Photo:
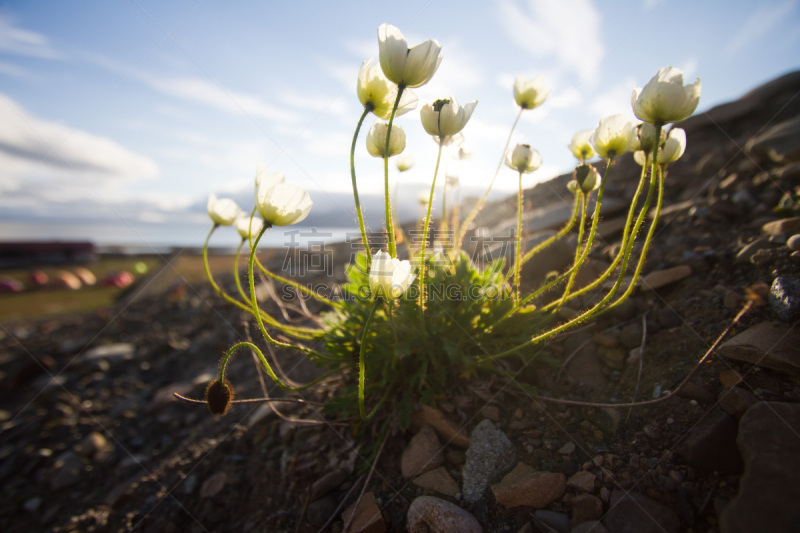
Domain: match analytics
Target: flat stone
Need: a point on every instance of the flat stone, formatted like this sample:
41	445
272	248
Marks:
750	249
583	481
661	278
428	514
769	489
711	444
213	485
122	350
447	430
783	225
768	344
585	507
526	486
780	143
439	480
633	512
736	401
424	452
489	456
368	517
592	526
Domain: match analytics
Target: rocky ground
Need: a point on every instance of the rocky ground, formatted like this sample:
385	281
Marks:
93	440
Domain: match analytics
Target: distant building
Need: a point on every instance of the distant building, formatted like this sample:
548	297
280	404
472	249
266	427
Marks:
23	254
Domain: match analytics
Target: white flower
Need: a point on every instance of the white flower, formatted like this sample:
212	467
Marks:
580	145
248	227
223	211
376	139
379	94
586	178
673	148
523	158
404	161
389	277
530	93
263	176
665	98
613	136
409	67
644	138
445	118
281	204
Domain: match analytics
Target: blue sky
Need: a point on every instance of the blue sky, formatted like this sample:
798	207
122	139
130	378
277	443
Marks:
117	119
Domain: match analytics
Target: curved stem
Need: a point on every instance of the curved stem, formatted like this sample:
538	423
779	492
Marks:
224	364
260	322
355	186
579	257
300	333
597	307
361	363
624	243
422	294
563	231
297	286
392	248
478	206
590	238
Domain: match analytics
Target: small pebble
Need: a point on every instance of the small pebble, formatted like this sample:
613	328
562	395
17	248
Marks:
567	449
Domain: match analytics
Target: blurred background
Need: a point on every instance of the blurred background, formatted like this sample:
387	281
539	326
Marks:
118	119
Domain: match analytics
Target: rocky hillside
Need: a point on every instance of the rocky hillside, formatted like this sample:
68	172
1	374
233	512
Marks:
92	438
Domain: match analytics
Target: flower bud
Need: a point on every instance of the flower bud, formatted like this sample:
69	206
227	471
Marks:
219	396
587	178
523	159
376	139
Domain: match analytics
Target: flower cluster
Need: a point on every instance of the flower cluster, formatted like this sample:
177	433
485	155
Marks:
418	341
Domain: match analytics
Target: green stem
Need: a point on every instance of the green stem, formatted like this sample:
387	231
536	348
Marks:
297	286
579	257
462	231
550	240
392	248
590	238
254	303
355	186
300	333
361	360
599	306
518	260
422	295
224	364
623	243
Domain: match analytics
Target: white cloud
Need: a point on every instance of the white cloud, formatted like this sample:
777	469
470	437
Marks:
758	24
18	41
33	146
216	96
617	99
567	31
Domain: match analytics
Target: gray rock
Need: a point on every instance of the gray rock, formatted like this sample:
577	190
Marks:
794	242
711	445
632	512
784	298
783	225
490	456
768	490
526	486
423	453
768	344
750	249
558	522
591	526
433	515
779	143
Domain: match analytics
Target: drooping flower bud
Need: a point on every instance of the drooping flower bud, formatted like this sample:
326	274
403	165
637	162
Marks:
219	395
